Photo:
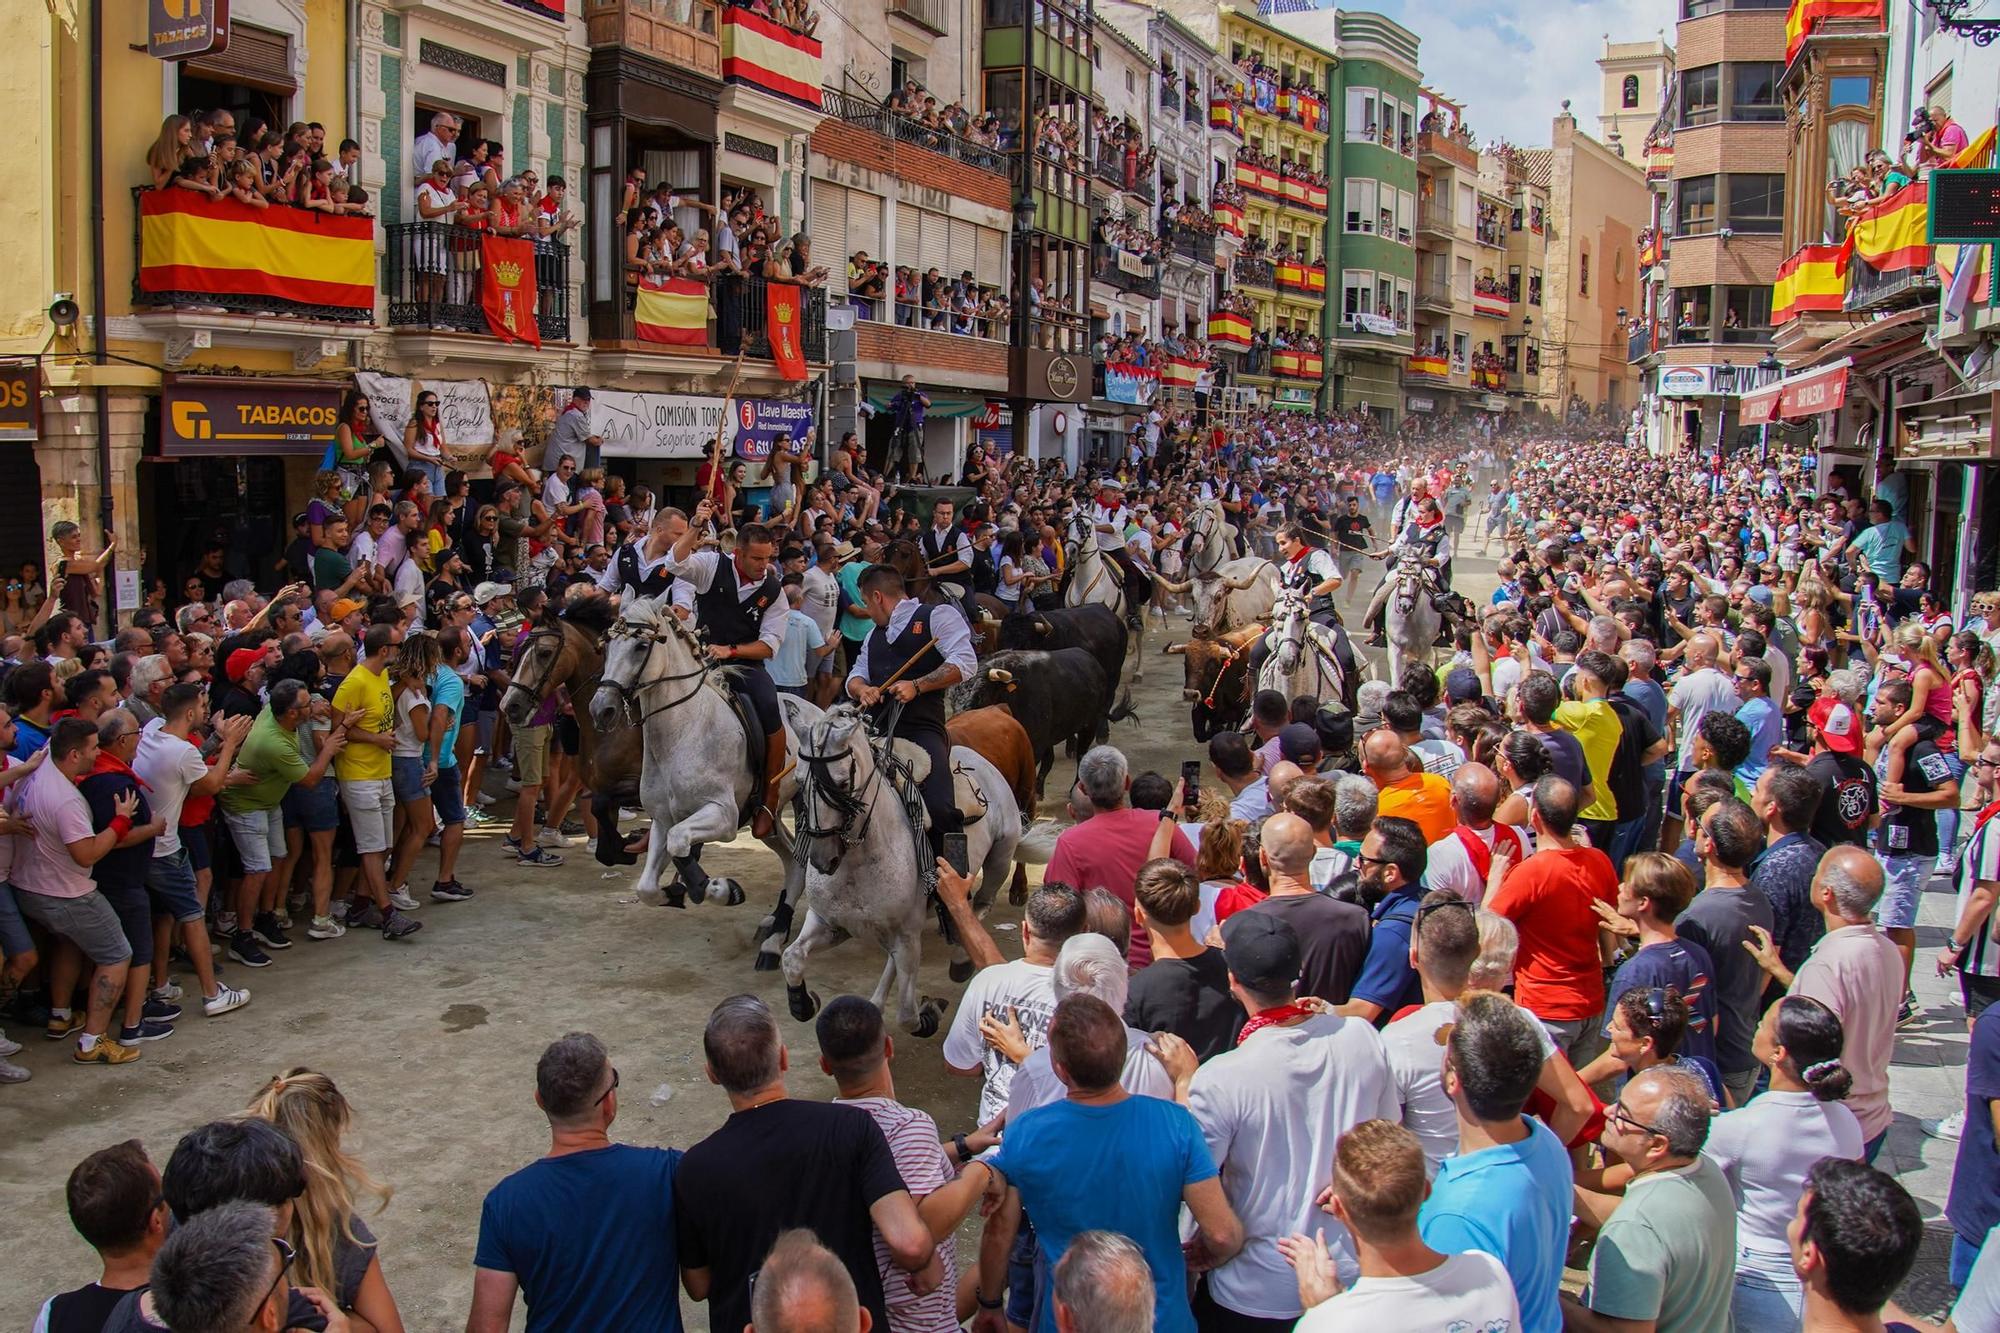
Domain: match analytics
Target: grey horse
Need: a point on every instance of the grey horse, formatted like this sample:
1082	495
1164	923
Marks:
1302	661
697	783
1410	618
861	855
1228	593
1095	580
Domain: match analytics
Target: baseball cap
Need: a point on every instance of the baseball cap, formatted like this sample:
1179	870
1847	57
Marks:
1299	743
581	392
1261	951
486	592
345	607
1760	594
239	663
1837	725
1461	685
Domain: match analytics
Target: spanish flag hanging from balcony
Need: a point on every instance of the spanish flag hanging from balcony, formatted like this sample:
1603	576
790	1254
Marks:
1180	372
1295	190
672	310
1230	218
1285	363
507	288
1806	15
1291	273
1316	277
1229	327
1426	364
191	243
766	54
1890	234
1222	115
1807	282
1246	175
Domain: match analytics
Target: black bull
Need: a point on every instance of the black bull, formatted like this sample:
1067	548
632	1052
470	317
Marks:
1061	696
1095	629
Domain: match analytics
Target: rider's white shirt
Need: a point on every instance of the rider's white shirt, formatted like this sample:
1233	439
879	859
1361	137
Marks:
1317	563
680	591
948	627
1117	516
700	571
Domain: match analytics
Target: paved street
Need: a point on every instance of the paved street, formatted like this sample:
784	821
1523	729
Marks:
433	1040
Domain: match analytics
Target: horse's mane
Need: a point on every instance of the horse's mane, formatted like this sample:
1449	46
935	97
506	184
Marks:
594	614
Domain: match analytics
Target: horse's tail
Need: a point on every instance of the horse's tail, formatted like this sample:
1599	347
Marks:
1038	844
1123	711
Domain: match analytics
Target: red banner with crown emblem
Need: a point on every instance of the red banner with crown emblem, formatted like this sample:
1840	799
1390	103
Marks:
783	307
507	288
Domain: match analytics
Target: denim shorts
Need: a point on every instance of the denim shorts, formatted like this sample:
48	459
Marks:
15	941
259	836
170	882
1904	878
135	917
406	776
448	796
89	922
314	809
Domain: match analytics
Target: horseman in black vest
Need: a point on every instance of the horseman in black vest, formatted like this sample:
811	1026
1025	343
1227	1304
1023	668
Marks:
739	606
1306	568
925	650
642	565
947	552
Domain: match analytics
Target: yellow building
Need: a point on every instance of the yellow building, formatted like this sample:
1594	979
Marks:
1285	114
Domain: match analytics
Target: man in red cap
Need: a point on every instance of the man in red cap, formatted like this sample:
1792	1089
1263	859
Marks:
244	671
1846	782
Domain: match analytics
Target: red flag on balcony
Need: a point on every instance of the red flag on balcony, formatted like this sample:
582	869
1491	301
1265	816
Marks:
784	311
507	288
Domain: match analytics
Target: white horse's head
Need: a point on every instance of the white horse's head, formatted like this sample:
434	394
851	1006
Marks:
1288	630
648	631
838	767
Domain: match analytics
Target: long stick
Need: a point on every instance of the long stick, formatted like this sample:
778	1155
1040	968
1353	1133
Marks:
897	675
715	449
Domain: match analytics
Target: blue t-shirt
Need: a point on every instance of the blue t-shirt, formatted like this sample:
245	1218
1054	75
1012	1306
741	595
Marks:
1882	547
1653	700
590	1238
1512	1201
28	738
788	664
1973	1206
1685	966
1384	485
853	627
448	691
1119	1168
1767	728
1386	976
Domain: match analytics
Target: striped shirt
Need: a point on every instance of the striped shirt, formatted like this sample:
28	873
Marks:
920	1160
1980	864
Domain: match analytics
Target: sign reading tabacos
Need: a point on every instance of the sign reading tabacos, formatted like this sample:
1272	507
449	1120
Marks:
223	415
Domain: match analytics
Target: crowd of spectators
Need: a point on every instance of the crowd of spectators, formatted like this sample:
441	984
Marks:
795	15
258	167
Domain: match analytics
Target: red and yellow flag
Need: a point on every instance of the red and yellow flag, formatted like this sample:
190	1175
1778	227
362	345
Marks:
1291	273
765	54
1180	371
1890	233
507	288
1427	365
1806	15
784	309
1808	281
672	310
191	243
1229	326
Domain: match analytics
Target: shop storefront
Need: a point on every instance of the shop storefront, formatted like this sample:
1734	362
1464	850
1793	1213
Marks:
20	479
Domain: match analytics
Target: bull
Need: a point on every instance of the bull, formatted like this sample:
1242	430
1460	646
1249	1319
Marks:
1057	696
1237	593
1095	629
1215	680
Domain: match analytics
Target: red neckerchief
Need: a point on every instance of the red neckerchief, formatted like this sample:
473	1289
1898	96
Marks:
111	763
1284	1013
1300	558
1425	520
1980	822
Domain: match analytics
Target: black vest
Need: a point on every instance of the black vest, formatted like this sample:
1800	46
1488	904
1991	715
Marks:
659	581
86	1308
725	618
939	552
985	577
885	659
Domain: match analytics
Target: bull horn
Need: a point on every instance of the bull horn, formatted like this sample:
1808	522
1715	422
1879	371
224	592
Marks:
1240	585
999	675
1175	588
1174	649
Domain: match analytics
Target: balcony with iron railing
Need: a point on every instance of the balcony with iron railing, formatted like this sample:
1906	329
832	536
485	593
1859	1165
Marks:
1432	221
1434	295
737	324
1254	271
1489	232
1639	343
1170	96
1124	271
432	279
1441	145
1871	289
199	255
1196	245
871	115
934	15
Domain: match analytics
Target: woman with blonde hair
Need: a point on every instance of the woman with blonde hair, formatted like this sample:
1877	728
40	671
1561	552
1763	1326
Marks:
1218	867
336	1250
174	146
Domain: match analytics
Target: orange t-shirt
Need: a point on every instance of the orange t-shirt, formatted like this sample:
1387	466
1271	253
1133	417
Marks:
1423	797
1558	973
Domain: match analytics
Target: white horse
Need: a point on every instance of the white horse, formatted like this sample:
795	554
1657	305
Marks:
1228	592
862	857
696	784
1302	660
1096	580
1410	619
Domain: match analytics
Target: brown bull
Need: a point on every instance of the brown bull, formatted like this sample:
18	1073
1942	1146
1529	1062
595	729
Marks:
999	738
1215	678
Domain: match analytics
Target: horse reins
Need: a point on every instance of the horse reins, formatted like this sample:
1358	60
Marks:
627	694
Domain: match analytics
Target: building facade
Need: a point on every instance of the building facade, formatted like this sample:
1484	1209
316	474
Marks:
1456	233
1598	205
1633	82
1372	256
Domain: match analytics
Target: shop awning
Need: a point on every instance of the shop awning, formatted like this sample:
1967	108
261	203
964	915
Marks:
1807	394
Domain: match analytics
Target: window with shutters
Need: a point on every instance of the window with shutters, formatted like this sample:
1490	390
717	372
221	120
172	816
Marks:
864	224
827	206
909	236
935	250
990	265
964	245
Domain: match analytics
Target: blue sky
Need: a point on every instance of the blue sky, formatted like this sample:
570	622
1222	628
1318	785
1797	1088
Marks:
1512	62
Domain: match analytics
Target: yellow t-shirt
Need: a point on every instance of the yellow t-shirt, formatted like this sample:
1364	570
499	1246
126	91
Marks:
1596	727
368	691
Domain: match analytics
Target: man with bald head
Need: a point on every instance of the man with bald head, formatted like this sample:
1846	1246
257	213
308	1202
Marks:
1407	790
804	1288
1461	860
1856	971
1701	690
1333	935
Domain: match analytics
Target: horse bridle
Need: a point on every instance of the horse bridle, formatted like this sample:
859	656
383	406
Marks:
848	804
1207	523
537	688
629	696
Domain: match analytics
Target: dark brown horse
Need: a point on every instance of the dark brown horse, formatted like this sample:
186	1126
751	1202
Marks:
566	652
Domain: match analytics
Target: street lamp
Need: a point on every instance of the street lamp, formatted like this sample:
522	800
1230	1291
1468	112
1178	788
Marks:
1024	223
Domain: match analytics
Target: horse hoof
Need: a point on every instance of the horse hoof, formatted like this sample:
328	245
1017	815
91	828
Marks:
803	1003
767	961
1017	891
652	895
675	895
961	971
927	1024
726	892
